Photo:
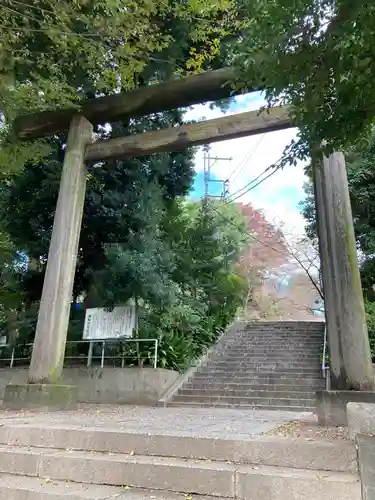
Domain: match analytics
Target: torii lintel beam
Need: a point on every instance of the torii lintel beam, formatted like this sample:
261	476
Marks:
173	94
195	134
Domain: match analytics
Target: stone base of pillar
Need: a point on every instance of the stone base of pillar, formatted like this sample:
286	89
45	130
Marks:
40	397
366	462
361	419
331	405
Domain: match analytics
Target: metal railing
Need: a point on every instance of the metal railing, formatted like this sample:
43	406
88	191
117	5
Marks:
92	352
325	367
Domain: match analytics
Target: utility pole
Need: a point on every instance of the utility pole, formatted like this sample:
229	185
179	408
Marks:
206	169
208	162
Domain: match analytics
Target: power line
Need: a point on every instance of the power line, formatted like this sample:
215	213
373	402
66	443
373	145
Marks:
148	58
240	163
246	159
253	186
244	231
248	184
32	7
23	14
56	31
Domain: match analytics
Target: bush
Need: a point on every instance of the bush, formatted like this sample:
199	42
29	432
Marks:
370	314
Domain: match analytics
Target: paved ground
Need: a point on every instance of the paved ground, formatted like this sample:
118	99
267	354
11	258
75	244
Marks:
205	422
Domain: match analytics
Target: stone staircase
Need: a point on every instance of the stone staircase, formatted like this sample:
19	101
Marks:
260	365
59	461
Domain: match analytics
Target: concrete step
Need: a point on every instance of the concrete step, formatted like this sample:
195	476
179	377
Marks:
271	355
272	352
219	479
220	393
281	327
290	336
231	372
282	345
284	331
299	409
247	338
213	386
277	342
247	360
286	322
28	488
14	487
294	332
264	351
256	379
258	450
246	365
265	359
251	357
283	324
247	400
281	333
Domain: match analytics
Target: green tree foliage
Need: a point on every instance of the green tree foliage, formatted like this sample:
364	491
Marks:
318	56
57	52
140	239
132	243
123	201
176	257
54	54
206	242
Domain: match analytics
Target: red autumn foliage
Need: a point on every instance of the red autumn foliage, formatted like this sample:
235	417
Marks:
267	248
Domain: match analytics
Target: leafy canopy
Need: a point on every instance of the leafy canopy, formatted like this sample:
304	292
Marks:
56	53
318	56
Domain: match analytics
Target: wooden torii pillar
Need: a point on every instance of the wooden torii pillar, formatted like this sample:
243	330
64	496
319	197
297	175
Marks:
350	356
50	338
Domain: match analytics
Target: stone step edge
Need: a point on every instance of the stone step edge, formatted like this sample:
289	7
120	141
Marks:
218	479
302	402
308	394
14	487
233	386
297	453
299	409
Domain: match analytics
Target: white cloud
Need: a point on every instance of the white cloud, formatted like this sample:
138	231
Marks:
279	195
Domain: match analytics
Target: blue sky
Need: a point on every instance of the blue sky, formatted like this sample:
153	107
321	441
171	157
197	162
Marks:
215	188
280	195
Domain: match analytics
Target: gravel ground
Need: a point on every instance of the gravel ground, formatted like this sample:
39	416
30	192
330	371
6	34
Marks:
200	422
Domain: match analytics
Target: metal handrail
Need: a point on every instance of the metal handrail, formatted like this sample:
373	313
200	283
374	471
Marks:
90	355
325	367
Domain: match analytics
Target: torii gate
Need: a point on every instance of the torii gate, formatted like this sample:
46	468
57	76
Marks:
350	358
